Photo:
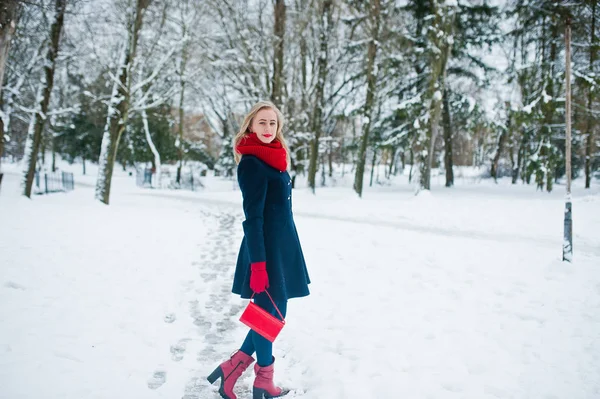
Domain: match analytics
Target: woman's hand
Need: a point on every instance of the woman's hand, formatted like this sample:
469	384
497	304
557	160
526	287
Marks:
259	279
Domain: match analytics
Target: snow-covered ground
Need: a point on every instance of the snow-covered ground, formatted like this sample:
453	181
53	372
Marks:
457	293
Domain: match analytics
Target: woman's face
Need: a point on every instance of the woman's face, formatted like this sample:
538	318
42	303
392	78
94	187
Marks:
264	125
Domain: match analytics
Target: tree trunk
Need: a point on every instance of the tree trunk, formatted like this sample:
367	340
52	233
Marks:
53	154
377	179
38	119
326	23
568	220
523	159
568	106
180	132
432	134
438	61
279	30
343	154
1	132
544	174
83	161
496	160
515	165
42	151
402	161
323	181
373	166
183	65
118	108
522	150
500	149
374	11
448	164
391	169
354	141
412	163
330	157
157	164
589	147
300	166
8	23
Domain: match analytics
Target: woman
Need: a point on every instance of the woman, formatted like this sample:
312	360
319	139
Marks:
270	256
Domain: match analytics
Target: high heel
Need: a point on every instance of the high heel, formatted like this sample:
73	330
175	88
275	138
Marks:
229	372
218	373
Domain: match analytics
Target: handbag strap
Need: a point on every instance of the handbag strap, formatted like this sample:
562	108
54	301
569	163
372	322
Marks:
273	302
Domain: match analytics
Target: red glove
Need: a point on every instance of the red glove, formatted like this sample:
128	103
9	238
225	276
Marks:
259	279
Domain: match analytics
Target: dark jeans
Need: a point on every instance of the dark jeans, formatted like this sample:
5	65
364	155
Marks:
255	342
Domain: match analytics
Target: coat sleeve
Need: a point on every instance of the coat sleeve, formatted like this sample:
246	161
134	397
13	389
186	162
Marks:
253	184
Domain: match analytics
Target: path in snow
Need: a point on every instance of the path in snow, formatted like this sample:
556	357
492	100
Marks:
504	237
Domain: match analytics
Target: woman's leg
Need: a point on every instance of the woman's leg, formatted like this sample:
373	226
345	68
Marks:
248	345
255	342
263	386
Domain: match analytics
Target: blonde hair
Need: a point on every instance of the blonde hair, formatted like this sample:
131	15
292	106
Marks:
245	129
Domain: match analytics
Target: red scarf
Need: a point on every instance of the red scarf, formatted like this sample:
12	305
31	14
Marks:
273	154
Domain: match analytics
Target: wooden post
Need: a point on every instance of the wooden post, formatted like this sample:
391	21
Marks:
568	225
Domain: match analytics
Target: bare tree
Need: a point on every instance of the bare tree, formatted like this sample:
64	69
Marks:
438	37
39	117
8	24
501	144
589	147
375	21
568	221
279	30
447	120
119	105
325	32
147	95
183	63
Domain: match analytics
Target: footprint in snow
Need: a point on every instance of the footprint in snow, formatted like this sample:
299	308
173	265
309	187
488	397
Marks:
203	323
170	318
16	286
208	276
178	349
157	380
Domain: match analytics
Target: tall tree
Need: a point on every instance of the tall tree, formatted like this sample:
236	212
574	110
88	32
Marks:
440	40
8	23
568	222
545	172
538	32
324	33
448	164
279	47
119	105
38	119
504	132
374	17
184	10
589	147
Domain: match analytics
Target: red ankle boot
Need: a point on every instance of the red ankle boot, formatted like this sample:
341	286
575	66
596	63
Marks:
263	383
229	371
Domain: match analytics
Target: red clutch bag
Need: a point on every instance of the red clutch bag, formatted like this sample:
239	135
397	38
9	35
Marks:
261	321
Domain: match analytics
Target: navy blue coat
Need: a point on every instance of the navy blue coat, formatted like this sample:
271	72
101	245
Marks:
269	232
